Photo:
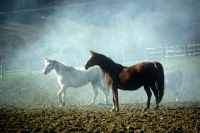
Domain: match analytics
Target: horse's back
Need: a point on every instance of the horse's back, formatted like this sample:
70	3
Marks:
95	73
145	70
135	76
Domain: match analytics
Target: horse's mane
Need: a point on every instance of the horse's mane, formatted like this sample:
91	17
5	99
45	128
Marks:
63	65
103	56
118	67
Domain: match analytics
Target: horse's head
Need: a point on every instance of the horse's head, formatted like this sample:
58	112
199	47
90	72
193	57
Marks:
92	60
48	66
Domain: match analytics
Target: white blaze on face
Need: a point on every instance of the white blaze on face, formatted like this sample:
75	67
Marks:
48	66
89	58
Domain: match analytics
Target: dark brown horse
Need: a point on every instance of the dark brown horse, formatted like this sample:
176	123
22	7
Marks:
147	74
173	81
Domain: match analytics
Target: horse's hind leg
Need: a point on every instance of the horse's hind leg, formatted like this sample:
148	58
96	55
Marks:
178	87
105	91
63	96
59	96
62	92
176	95
94	85
148	91
155	92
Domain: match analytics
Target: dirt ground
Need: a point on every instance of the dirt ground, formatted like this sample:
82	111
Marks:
30	104
171	117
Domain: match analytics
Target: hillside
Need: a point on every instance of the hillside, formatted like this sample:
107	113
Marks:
80	26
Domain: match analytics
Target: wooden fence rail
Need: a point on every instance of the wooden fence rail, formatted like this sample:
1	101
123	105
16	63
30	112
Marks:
20	66
28	66
166	52
1	69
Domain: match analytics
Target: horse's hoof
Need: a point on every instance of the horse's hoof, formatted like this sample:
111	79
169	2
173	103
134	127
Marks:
62	104
145	109
156	107
91	104
112	110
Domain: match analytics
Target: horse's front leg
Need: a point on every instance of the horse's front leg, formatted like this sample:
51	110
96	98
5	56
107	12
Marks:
115	100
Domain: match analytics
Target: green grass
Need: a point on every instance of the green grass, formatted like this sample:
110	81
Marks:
12	74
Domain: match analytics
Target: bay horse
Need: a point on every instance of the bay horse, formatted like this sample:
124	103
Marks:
173	81
69	76
147	74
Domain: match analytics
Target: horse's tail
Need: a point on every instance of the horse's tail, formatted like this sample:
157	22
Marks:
160	81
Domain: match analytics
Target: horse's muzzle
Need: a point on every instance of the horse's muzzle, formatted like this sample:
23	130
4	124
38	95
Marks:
86	67
45	72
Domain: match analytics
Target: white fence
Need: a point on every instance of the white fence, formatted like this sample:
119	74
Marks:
166	52
18	67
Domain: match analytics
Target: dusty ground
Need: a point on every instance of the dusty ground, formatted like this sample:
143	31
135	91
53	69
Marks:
29	104
171	117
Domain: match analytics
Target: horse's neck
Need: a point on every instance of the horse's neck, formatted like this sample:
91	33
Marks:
113	68
61	69
58	67
116	68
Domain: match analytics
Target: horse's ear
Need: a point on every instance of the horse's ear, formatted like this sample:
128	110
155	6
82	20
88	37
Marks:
47	59
91	52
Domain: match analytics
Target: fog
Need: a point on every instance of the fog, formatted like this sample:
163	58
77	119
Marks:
114	28
110	27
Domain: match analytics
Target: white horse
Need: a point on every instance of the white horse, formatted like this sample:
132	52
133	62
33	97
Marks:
69	76
173	81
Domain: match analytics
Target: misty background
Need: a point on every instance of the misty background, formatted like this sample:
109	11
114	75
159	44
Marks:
70	28
66	30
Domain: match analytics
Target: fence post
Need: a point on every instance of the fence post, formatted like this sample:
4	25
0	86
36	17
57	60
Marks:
185	48
145	53
29	66
123	56
163	52
1	70
76	62
194	48
166	48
